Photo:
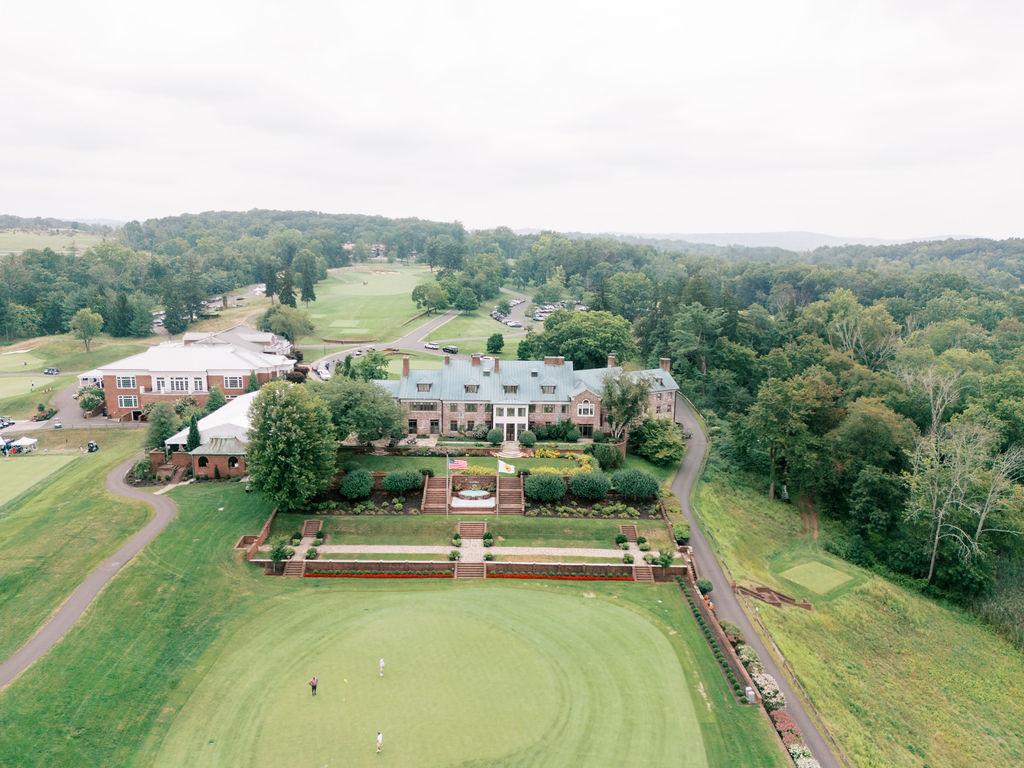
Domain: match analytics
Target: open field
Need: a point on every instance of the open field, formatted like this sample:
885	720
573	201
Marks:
68	353
900	679
52	536
191	658
347	308
20	472
468	324
20	240
508	352
437	530
417	360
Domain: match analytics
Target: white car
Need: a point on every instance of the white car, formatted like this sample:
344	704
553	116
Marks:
513	324
430	345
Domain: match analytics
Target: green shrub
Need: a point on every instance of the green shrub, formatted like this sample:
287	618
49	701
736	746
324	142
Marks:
426	471
572	436
705	586
544	487
659	440
681	532
641	539
643	545
488	535
454	554
356	484
527	439
480	430
495	436
627	558
590	485
402	480
279	551
488	555
351	466
599	436
635	484
620	538
524	472
143	469
311	553
608	456
624	545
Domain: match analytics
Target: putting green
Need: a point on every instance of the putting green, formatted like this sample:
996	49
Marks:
476	675
19	473
17	362
816	576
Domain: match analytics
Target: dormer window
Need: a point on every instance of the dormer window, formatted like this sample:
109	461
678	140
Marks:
511	389
472	388
533	372
423	387
548	389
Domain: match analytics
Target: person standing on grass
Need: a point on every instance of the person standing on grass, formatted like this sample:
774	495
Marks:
312	684
380	740
382	667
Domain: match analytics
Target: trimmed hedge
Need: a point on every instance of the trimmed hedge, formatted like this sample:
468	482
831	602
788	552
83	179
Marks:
527	439
590	485
544	487
635	484
495	436
403	480
356	484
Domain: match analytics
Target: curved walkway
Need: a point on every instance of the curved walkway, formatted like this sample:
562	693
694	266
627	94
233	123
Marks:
73	608
727	606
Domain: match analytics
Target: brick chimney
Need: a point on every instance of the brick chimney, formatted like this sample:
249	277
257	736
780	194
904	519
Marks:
554	360
405	366
476	359
496	361
447	360
665	363
611	360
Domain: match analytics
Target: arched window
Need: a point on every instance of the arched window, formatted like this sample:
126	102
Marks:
203	461
232	462
585	408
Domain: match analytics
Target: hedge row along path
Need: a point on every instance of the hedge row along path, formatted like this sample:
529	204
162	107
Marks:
727	606
73	608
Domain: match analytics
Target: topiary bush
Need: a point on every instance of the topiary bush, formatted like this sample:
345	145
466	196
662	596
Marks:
620	538
590	485
705	586
403	480
527	439
544	487
495	436
635	484
608	456
356	484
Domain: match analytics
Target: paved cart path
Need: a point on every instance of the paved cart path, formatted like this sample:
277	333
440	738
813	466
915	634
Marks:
80	600
727	606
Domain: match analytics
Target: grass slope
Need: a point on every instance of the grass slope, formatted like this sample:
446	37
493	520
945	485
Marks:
189	646
21	472
901	680
54	535
469	325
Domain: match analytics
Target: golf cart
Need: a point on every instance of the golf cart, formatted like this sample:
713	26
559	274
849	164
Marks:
93	446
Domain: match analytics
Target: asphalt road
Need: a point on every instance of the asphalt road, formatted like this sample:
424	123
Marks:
727	606
89	590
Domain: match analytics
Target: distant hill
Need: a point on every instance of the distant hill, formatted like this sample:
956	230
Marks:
790	241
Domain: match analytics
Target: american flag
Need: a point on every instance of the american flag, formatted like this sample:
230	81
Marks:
457	464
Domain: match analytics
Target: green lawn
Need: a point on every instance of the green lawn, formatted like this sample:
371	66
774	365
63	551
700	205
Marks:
508	352
18	240
68	353
438	463
407	556
22	361
436	530
470	324
20	400
902	680
553	558
51	537
369	302
21	472
662	473
192	658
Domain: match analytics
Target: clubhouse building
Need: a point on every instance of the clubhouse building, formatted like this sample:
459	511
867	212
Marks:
516	395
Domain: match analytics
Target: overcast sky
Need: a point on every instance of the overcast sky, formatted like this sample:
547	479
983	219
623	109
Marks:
883	119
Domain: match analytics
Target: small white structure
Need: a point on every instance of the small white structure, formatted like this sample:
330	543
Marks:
25	444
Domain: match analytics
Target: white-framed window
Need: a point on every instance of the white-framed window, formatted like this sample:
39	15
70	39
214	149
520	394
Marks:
232	382
499	411
472	387
197	385
127	401
522	412
470	407
659	395
585	408
161	383
549	409
511	389
179	384
126	382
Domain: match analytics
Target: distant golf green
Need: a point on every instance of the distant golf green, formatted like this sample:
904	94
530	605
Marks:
20	473
474	674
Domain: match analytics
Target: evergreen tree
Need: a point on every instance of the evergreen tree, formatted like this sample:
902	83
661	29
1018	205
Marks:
253	384
215	399
193	435
286	293
163	422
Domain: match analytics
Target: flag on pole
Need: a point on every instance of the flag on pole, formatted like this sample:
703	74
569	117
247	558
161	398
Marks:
504	468
457	464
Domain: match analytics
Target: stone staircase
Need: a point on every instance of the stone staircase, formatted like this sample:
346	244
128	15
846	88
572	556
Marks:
629	531
472	530
295	568
311	527
643	572
510	496
470	570
435	496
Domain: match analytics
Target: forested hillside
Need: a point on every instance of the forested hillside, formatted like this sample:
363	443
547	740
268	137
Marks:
884	384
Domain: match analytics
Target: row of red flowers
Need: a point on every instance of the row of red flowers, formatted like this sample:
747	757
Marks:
562	578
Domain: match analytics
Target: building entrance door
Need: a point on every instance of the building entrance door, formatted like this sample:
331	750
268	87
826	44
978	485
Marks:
510	431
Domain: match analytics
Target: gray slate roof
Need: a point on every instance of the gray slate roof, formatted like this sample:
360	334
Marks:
449	383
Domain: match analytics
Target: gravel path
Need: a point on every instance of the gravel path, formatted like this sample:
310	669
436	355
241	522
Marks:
73	608
727	606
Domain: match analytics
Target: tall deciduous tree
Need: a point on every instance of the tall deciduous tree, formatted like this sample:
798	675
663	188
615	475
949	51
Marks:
624	398
291	449
287	321
361	407
163	422
86	324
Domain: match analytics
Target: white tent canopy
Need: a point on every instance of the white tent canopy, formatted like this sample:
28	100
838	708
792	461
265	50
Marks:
25	442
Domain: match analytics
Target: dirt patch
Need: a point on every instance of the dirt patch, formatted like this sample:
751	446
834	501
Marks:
809	515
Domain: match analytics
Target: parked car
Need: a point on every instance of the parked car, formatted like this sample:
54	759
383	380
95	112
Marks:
57	424
513	324
430	345
451	350
5	421
52	371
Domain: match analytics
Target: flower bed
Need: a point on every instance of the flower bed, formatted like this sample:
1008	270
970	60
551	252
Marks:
366	575
556	577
